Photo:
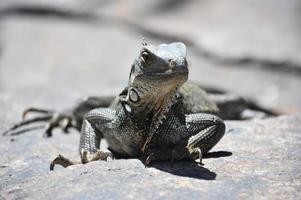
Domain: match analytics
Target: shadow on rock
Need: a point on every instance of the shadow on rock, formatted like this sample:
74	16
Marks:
186	169
189	168
218	154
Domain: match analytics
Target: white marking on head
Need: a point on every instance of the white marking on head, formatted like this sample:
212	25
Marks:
128	108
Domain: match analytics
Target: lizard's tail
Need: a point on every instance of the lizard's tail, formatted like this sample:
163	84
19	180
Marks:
254	106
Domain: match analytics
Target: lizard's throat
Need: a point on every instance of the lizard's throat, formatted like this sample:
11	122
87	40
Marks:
151	109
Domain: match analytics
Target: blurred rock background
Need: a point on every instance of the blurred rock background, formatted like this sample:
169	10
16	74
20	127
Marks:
53	52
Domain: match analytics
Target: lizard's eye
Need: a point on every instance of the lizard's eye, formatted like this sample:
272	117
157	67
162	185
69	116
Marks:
144	56
172	64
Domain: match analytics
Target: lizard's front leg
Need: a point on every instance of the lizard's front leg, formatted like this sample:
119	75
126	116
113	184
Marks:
172	153
206	130
91	135
199	133
94	122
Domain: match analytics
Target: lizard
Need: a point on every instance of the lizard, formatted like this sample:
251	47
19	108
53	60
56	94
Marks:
159	115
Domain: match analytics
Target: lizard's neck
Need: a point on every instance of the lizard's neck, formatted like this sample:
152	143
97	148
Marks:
151	111
161	109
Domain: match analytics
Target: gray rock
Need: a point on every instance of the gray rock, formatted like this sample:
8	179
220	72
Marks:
257	159
50	62
269	88
265	32
72	6
63	60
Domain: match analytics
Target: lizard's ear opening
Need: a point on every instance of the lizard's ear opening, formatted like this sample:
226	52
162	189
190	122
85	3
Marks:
133	95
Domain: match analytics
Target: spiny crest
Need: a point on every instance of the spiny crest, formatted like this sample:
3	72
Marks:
164	110
143	42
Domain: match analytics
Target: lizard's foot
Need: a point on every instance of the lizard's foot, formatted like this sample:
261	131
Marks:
64	120
164	153
149	153
195	154
87	156
61	160
151	157
200	154
172	154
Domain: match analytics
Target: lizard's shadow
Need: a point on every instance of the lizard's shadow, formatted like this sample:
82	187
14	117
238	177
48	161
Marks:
218	154
191	169
185	168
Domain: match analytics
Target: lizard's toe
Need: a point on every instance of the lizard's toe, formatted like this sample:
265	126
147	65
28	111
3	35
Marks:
148	160
87	156
61	160
48	118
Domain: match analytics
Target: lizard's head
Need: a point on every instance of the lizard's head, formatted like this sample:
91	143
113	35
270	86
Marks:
165	62
156	74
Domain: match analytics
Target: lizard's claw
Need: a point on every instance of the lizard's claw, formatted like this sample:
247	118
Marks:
61	160
86	157
148	160
99	155
35	110
200	155
51	120
61	120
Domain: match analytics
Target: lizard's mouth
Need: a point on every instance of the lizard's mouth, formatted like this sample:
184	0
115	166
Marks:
167	74
170	71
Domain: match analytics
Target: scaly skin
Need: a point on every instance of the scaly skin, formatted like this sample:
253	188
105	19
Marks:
158	116
148	120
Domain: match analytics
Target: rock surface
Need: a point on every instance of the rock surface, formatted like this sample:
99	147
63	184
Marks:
265	31
54	52
257	159
96	47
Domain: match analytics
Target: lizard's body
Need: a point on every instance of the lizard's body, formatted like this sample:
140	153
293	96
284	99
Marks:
158	116
128	145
